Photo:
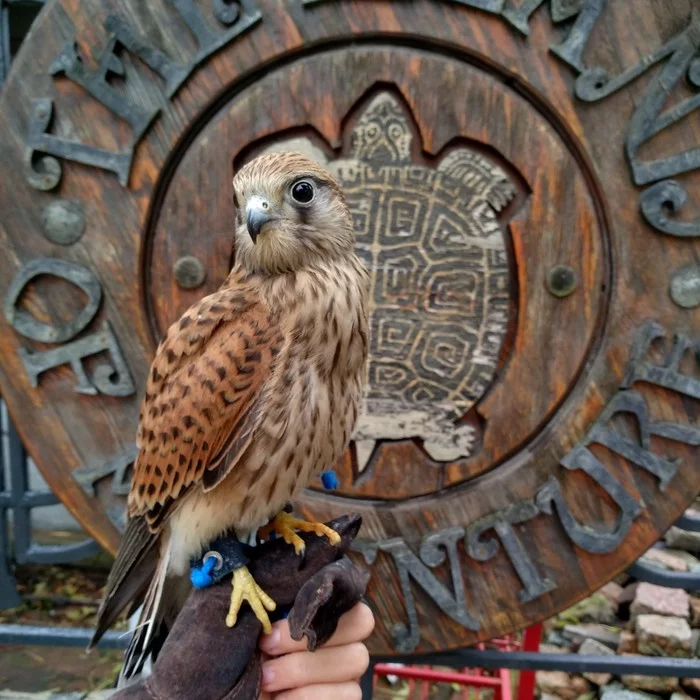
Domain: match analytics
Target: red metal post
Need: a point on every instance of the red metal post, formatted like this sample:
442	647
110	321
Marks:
531	642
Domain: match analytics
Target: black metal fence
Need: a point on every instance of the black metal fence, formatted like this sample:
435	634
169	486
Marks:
18	500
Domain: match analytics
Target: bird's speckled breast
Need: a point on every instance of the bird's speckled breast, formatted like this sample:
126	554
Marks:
310	407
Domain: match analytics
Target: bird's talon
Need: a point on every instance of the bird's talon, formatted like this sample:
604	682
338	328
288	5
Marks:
245	588
285	524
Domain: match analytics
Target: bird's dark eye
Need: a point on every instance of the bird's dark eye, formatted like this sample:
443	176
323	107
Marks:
303	191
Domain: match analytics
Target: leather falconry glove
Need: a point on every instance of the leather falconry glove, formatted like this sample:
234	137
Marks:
203	659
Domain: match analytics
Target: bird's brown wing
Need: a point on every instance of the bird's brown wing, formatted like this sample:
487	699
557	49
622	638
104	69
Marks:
203	397
201	406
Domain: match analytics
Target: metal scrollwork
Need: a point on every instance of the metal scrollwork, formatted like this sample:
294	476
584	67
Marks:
662	199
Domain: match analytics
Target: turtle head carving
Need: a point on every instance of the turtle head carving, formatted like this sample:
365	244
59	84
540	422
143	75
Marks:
382	134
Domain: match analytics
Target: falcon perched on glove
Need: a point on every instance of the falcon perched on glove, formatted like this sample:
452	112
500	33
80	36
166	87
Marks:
252	392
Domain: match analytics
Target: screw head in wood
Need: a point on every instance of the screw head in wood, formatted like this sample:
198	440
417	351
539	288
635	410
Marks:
189	272
684	287
63	221
561	281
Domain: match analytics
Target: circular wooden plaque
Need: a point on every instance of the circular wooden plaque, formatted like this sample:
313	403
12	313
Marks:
519	176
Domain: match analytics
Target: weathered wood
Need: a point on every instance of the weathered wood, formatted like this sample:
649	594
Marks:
523	216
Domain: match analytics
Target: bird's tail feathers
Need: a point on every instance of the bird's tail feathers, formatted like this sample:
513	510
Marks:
147	629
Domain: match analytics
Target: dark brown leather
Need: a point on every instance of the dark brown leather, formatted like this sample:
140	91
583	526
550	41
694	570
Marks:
202	659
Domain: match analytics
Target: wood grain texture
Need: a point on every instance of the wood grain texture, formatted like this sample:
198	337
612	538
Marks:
466	78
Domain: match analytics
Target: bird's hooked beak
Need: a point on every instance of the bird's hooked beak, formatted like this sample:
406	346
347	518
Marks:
258	213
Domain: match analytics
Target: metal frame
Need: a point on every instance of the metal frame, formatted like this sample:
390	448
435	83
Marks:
20	499
573	663
5	52
60	636
4	41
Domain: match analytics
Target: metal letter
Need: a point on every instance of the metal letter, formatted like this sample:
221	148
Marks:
667	374
595	83
630	402
571	49
648	119
70	63
173	73
88	477
207	40
588	537
24	323
44	172
502	522
406	637
664	198
112	380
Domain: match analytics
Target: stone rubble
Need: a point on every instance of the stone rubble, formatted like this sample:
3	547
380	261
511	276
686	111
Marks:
658	635
658	600
556	683
627	643
691	684
592	648
597	608
613	592
694	611
656	684
577	634
682	539
665	559
627	617
616	691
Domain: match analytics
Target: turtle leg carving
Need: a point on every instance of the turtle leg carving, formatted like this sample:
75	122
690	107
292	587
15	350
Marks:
455	444
364	450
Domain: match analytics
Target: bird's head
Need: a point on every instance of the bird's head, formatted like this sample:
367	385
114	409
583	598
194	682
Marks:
290	213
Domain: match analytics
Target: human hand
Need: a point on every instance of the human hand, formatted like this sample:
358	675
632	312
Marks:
333	671
203	658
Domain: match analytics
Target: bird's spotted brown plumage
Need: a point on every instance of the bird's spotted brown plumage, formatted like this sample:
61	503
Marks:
253	391
203	394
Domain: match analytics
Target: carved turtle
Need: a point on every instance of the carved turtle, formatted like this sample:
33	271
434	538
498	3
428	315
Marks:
440	279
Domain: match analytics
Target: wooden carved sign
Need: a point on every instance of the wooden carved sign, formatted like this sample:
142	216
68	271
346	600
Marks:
520	175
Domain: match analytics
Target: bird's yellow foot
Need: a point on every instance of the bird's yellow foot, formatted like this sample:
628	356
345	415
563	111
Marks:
284	525
245	588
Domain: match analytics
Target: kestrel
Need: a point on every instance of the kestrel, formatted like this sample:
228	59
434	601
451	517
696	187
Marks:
252	392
